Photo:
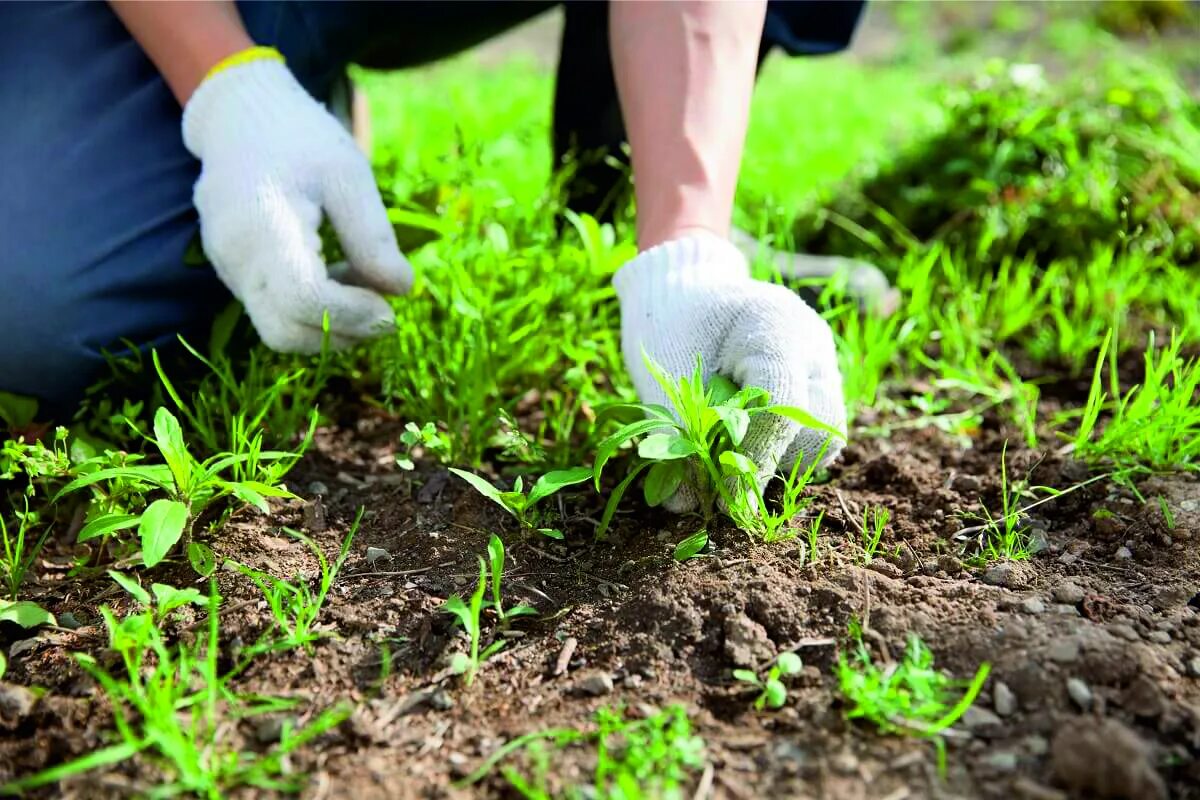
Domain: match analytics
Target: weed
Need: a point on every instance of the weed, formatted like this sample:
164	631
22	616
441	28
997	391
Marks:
909	697
524	506
496	565
191	486
295	607
164	600
698	443
469	616
691	546
646	758
772	691
875	520
19	552
426	439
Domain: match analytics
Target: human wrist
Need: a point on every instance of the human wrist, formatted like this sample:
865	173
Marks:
254	93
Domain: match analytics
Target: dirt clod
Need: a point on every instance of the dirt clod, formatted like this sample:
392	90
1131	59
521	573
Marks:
1106	759
746	642
1068	592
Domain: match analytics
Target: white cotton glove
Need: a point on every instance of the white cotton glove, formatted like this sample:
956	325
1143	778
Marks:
694	295
272	159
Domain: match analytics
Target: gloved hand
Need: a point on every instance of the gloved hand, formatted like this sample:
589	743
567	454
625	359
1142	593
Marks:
272	159
694	295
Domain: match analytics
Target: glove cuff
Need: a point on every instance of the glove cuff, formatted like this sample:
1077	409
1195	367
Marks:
239	96
690	261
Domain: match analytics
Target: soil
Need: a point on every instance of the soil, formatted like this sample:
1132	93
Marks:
1110	601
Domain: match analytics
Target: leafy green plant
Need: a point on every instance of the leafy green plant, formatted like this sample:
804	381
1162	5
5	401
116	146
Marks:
191	486
640	758
164	600
296	607
171	705
698	442
772	691
19	552
496	565
523	506
691	546
426	438
909	697
469	616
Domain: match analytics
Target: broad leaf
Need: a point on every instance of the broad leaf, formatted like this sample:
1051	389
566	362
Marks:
665	447
3	664
169	438
249	496
733	463
720	389
157	474
460	663
611	444
458	607
25	614
662	480
551	533
168	598
736	420
106	524
776	693
132	587
746	676
691	546
804	418
789	663
201	557
551	482
521	611
161	526
483	487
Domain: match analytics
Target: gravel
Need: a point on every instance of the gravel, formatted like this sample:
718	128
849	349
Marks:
1033	605
1080	694
1004	701
596	684
1067	592
1064	651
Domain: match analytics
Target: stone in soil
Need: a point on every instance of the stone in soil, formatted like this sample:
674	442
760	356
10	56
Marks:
1010	574
1080	694
1004	701
1064	651
746	642
1067	592
15	701
595	684
1104	759
1033	605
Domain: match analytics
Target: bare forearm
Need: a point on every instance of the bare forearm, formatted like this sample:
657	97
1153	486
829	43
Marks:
184	40
685	73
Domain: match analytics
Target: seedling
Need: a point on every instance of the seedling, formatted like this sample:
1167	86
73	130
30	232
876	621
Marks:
772	691
524	506
909	697
426	438
496	565
645	758
19	551
874	523
165	599
691	546
295	608
468	615
191	486
698	442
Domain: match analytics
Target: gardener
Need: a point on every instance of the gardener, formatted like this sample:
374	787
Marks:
99	166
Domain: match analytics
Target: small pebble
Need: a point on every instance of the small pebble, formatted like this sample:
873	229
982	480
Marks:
1159	637
1123	631
1067	592
844	762
1067	559
596	684
15	701
1002	761
1066	609
69	621
978	718
441	701
376	553
1004	700
1037	745
1064	651
1033	605
1080	694
1193	667
1123	553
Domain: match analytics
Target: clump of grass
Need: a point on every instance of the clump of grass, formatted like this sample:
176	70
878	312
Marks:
642	758
523	505
908	697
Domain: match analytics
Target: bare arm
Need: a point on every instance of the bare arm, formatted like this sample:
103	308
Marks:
184	40
685	73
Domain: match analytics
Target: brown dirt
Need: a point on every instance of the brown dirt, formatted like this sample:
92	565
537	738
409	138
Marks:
1129	628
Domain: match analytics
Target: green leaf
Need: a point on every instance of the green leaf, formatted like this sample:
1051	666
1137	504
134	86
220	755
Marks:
776	693
720	389
690	546
483	487
607	448
789	663
662	480
157	474
249	496
736	420
551	533
105	524
734	463
132	587
804	418
168	598
160	528
201	557
614	499
457	606
169	438
665	447
25	614
521	610
17	410
557	479
746	676
3	664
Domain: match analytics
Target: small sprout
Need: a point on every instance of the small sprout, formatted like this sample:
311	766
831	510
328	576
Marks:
772	691
691	546
523	506
875	520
